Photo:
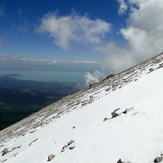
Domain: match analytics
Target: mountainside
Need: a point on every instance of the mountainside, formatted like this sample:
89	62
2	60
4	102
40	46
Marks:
10	83
116	120
20	98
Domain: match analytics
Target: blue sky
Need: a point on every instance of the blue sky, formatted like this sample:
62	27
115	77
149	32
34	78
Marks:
19	21
118	33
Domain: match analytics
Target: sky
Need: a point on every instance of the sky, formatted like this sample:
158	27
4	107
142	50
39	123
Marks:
116	33
42	29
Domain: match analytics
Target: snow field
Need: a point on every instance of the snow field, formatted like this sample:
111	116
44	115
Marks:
135	137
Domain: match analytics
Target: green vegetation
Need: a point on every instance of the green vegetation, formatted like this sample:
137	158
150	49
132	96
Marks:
15	105
19	99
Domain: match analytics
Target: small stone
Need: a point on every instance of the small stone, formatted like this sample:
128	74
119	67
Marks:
65	146
126	111
119	161
72	147
151	69
70	142
5	151
4	160
105	119
13	149
33	142
15	154
114	114
50	157
158	159
62	150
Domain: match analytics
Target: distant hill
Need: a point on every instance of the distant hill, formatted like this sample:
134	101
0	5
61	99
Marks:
8	82
20	98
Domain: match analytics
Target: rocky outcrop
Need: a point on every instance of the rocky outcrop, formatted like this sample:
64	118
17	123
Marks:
70	142
127	110
71	147
68	145
158	159
5	151
32	142
114	114
50	157
105	119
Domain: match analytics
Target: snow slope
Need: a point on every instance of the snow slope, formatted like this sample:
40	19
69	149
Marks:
135	137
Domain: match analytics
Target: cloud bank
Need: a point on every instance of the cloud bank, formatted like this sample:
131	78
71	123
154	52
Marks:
143	35
73	28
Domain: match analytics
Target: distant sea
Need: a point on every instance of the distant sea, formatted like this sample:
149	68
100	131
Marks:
47	76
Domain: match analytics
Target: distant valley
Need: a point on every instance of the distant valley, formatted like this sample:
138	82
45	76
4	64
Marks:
20	98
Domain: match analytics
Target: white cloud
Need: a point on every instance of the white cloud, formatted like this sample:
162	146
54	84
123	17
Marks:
115	59
147	16
143	35
93	78
123	7
145	30
73	28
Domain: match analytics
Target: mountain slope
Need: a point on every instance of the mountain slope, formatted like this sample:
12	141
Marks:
20	98
11	83
85	117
